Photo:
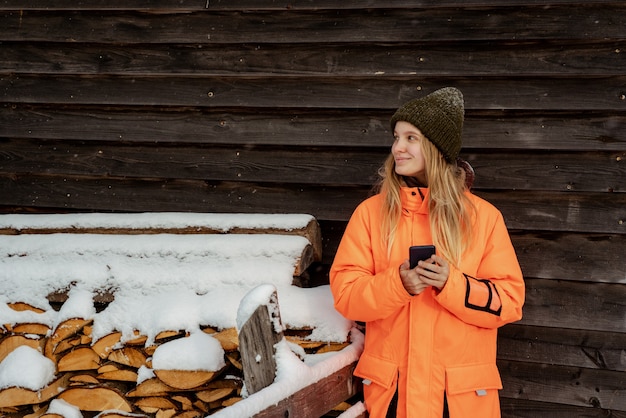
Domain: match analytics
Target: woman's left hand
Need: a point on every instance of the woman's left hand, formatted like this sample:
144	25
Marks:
434	271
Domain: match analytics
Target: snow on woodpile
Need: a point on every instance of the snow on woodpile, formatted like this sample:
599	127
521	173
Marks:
156	220
163	282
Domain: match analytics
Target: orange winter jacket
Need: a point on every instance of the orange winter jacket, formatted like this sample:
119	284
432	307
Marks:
437	341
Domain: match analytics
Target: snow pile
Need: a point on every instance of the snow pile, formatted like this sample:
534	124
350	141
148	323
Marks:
27	368
199	351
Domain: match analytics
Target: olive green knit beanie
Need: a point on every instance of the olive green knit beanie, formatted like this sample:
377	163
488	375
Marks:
439	116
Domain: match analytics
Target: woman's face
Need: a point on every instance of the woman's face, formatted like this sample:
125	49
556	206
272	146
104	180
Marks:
407	151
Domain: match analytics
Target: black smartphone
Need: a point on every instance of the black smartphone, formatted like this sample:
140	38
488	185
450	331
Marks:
420	252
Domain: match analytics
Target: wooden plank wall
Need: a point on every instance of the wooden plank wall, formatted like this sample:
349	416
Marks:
272	106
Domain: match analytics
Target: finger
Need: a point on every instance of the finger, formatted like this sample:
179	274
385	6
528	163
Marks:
440	260
426	269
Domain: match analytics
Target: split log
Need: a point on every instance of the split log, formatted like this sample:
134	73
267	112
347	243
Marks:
137	340
84	379
153	404
64	330
128	356
228	338
31	328
150	387
234	358
99	398
185	379
168	335
10	343
22	306
15	396
119	375
83	358
106	344
331	347
213	395
66	345
185	403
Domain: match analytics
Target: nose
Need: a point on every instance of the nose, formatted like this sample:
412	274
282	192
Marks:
398	145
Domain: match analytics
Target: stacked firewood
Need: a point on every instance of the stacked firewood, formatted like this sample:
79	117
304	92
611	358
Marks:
103	375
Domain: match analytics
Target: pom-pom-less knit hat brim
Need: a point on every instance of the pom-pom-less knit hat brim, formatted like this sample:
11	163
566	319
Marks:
439	116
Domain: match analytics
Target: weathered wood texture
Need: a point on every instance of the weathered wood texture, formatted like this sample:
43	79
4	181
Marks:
257	339
268	106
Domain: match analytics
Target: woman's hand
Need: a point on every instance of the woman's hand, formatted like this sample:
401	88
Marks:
410	279
432	272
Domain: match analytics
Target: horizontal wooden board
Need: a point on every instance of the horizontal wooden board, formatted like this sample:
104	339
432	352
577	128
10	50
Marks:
301	165
312	127
600	93
146	195
519	170
523	210
575	305
576	257
564	385
585	21
550	170
537	58
569	256
563	347
550	211
522	408
186	5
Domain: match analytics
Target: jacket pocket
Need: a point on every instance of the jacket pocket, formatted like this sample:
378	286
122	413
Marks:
472	378
376	370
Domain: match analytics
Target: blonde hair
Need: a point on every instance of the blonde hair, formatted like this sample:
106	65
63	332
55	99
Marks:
450	210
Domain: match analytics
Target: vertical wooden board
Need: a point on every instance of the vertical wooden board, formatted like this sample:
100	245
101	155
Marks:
257	338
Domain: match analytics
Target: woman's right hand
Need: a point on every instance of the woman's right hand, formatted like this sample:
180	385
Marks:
411	280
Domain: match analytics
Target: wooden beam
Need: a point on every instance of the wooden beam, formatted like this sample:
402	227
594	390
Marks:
504	93
315	400
360	24
76	125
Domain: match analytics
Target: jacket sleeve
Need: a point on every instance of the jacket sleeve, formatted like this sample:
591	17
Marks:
359	293
495	296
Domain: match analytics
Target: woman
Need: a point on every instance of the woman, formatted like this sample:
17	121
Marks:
430	345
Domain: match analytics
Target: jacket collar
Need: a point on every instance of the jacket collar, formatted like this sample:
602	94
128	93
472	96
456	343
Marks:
414	199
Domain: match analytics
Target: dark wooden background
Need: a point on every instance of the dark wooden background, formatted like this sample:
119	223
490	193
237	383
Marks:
283	106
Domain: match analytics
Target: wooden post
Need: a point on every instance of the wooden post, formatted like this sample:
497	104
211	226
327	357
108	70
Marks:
257	338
